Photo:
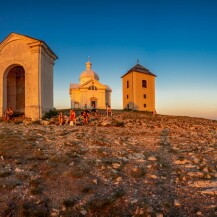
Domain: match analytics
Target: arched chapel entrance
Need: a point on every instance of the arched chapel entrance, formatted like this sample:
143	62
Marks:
26	76
15	88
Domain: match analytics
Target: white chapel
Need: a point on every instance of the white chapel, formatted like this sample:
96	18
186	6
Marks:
90	92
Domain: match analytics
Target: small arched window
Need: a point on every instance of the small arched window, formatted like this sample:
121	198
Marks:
92	88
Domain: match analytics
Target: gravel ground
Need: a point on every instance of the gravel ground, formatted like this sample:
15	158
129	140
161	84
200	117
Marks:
131	164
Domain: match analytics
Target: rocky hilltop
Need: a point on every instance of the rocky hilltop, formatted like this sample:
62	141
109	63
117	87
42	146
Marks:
131	164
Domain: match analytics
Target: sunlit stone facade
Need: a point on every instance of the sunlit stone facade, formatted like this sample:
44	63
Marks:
138	86
26	76
89	92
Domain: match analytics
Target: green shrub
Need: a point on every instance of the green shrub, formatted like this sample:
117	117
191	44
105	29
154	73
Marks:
50	114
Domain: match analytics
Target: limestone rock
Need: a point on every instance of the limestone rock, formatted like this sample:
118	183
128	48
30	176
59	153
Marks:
210	191
119	179
152	158
203	184
181	162
177	203
134	201
153	176
195	174
18	170
45	122
83	212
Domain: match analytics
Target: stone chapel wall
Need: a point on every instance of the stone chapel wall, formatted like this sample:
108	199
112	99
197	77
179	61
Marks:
37	61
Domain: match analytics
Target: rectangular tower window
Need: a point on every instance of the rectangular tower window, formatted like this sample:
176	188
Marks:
144	105
144	83
127	84
144	96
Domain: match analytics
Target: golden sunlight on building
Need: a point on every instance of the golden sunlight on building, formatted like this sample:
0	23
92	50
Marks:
90	92
26	76
138	86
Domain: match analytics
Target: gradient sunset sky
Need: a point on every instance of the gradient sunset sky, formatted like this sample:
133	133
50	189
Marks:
176	40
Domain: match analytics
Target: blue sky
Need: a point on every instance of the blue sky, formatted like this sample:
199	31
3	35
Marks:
176	40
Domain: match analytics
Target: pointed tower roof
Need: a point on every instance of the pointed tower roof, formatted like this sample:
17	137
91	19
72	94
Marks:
141	69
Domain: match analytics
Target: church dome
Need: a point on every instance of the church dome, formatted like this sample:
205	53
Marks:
88	73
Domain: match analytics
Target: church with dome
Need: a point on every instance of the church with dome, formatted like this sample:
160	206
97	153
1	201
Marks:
90	92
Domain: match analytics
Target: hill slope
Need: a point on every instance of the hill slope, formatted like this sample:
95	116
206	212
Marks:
133	164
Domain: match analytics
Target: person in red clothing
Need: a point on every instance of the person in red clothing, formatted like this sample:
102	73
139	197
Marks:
72	117
85	116
5	115
8	115
61	119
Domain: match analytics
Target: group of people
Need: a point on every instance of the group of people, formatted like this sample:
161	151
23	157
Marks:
71	120
62	119
8	115
85	115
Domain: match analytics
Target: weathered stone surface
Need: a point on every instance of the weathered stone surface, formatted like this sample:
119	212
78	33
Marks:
45	122
177	203
181	162
83	212
203	183
210	191
195	174
152	158
153	176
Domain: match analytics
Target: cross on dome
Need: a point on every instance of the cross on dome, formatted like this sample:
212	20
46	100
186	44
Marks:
88	73
137	60
88	64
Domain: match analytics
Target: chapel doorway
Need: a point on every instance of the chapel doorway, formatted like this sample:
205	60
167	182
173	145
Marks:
16	89
93	102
